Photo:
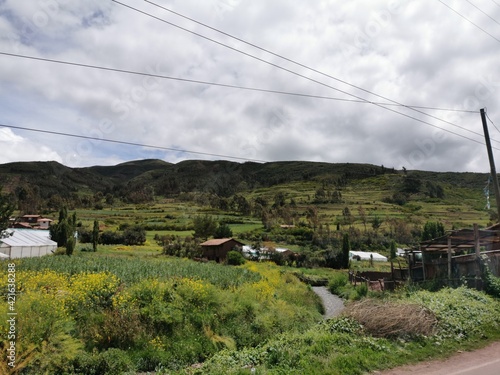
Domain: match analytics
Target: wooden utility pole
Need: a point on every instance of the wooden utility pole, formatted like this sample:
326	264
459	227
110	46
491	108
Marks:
492	161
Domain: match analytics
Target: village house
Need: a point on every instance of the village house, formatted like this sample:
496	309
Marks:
31	222
217	249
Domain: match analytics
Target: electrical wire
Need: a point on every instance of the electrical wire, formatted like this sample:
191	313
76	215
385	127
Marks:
486	14
395	103
201	82
247	88
288	70
494	2
492	123
468	20
130	143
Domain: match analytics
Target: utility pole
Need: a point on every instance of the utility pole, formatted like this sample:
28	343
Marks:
492	161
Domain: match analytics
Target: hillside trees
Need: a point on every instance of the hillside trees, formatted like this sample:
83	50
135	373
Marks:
432	229
28	198
6	209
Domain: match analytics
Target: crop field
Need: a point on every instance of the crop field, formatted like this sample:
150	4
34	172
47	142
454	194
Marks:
118	313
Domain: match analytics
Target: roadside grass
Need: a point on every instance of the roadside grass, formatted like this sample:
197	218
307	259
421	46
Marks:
341	346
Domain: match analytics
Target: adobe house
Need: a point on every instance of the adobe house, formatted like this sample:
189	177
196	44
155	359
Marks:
218	248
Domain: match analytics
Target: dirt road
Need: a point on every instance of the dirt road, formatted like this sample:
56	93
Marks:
484	361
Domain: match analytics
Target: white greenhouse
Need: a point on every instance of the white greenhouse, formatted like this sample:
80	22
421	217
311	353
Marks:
363	255
26	244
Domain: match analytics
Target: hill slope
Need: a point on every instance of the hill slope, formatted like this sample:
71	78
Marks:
223	178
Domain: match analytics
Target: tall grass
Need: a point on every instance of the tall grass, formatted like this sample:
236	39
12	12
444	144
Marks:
131	270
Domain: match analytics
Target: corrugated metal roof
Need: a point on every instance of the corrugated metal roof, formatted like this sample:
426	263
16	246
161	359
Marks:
28	238
218	242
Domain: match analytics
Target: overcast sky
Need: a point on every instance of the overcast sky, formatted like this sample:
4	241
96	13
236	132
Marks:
415	53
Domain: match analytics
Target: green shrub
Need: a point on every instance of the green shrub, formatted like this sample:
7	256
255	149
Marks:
337	282
491	283
361	291
235	258
458	320
43	334
110	362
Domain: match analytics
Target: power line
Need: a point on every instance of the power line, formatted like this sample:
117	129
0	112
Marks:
286	58
486	14
293	72
468	20
247	88
493	1
130	143
492	123
223	85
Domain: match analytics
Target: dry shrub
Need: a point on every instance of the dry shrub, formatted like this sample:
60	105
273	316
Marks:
390	319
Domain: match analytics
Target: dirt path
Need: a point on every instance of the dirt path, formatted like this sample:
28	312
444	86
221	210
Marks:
332	303
484	361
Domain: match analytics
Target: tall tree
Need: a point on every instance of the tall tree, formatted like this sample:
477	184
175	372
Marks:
223	231
204	226
64	229
393	250
346	247
95	235
362	215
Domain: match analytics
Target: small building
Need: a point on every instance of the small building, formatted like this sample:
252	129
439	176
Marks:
266	253
26	244
217	249
44	223
364	255
31	222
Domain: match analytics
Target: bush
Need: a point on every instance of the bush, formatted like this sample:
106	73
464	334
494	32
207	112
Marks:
458	320
111	238
84	235
337	282
491	283
110	362
235	258
135	235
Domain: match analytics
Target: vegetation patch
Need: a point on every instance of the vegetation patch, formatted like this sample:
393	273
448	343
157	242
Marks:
346	346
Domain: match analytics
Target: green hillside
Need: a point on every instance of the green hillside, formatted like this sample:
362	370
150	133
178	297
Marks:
367	191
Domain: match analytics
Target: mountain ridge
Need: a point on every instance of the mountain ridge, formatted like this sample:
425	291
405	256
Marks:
220	177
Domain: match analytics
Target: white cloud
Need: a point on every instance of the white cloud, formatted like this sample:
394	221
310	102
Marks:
418	53
16	148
